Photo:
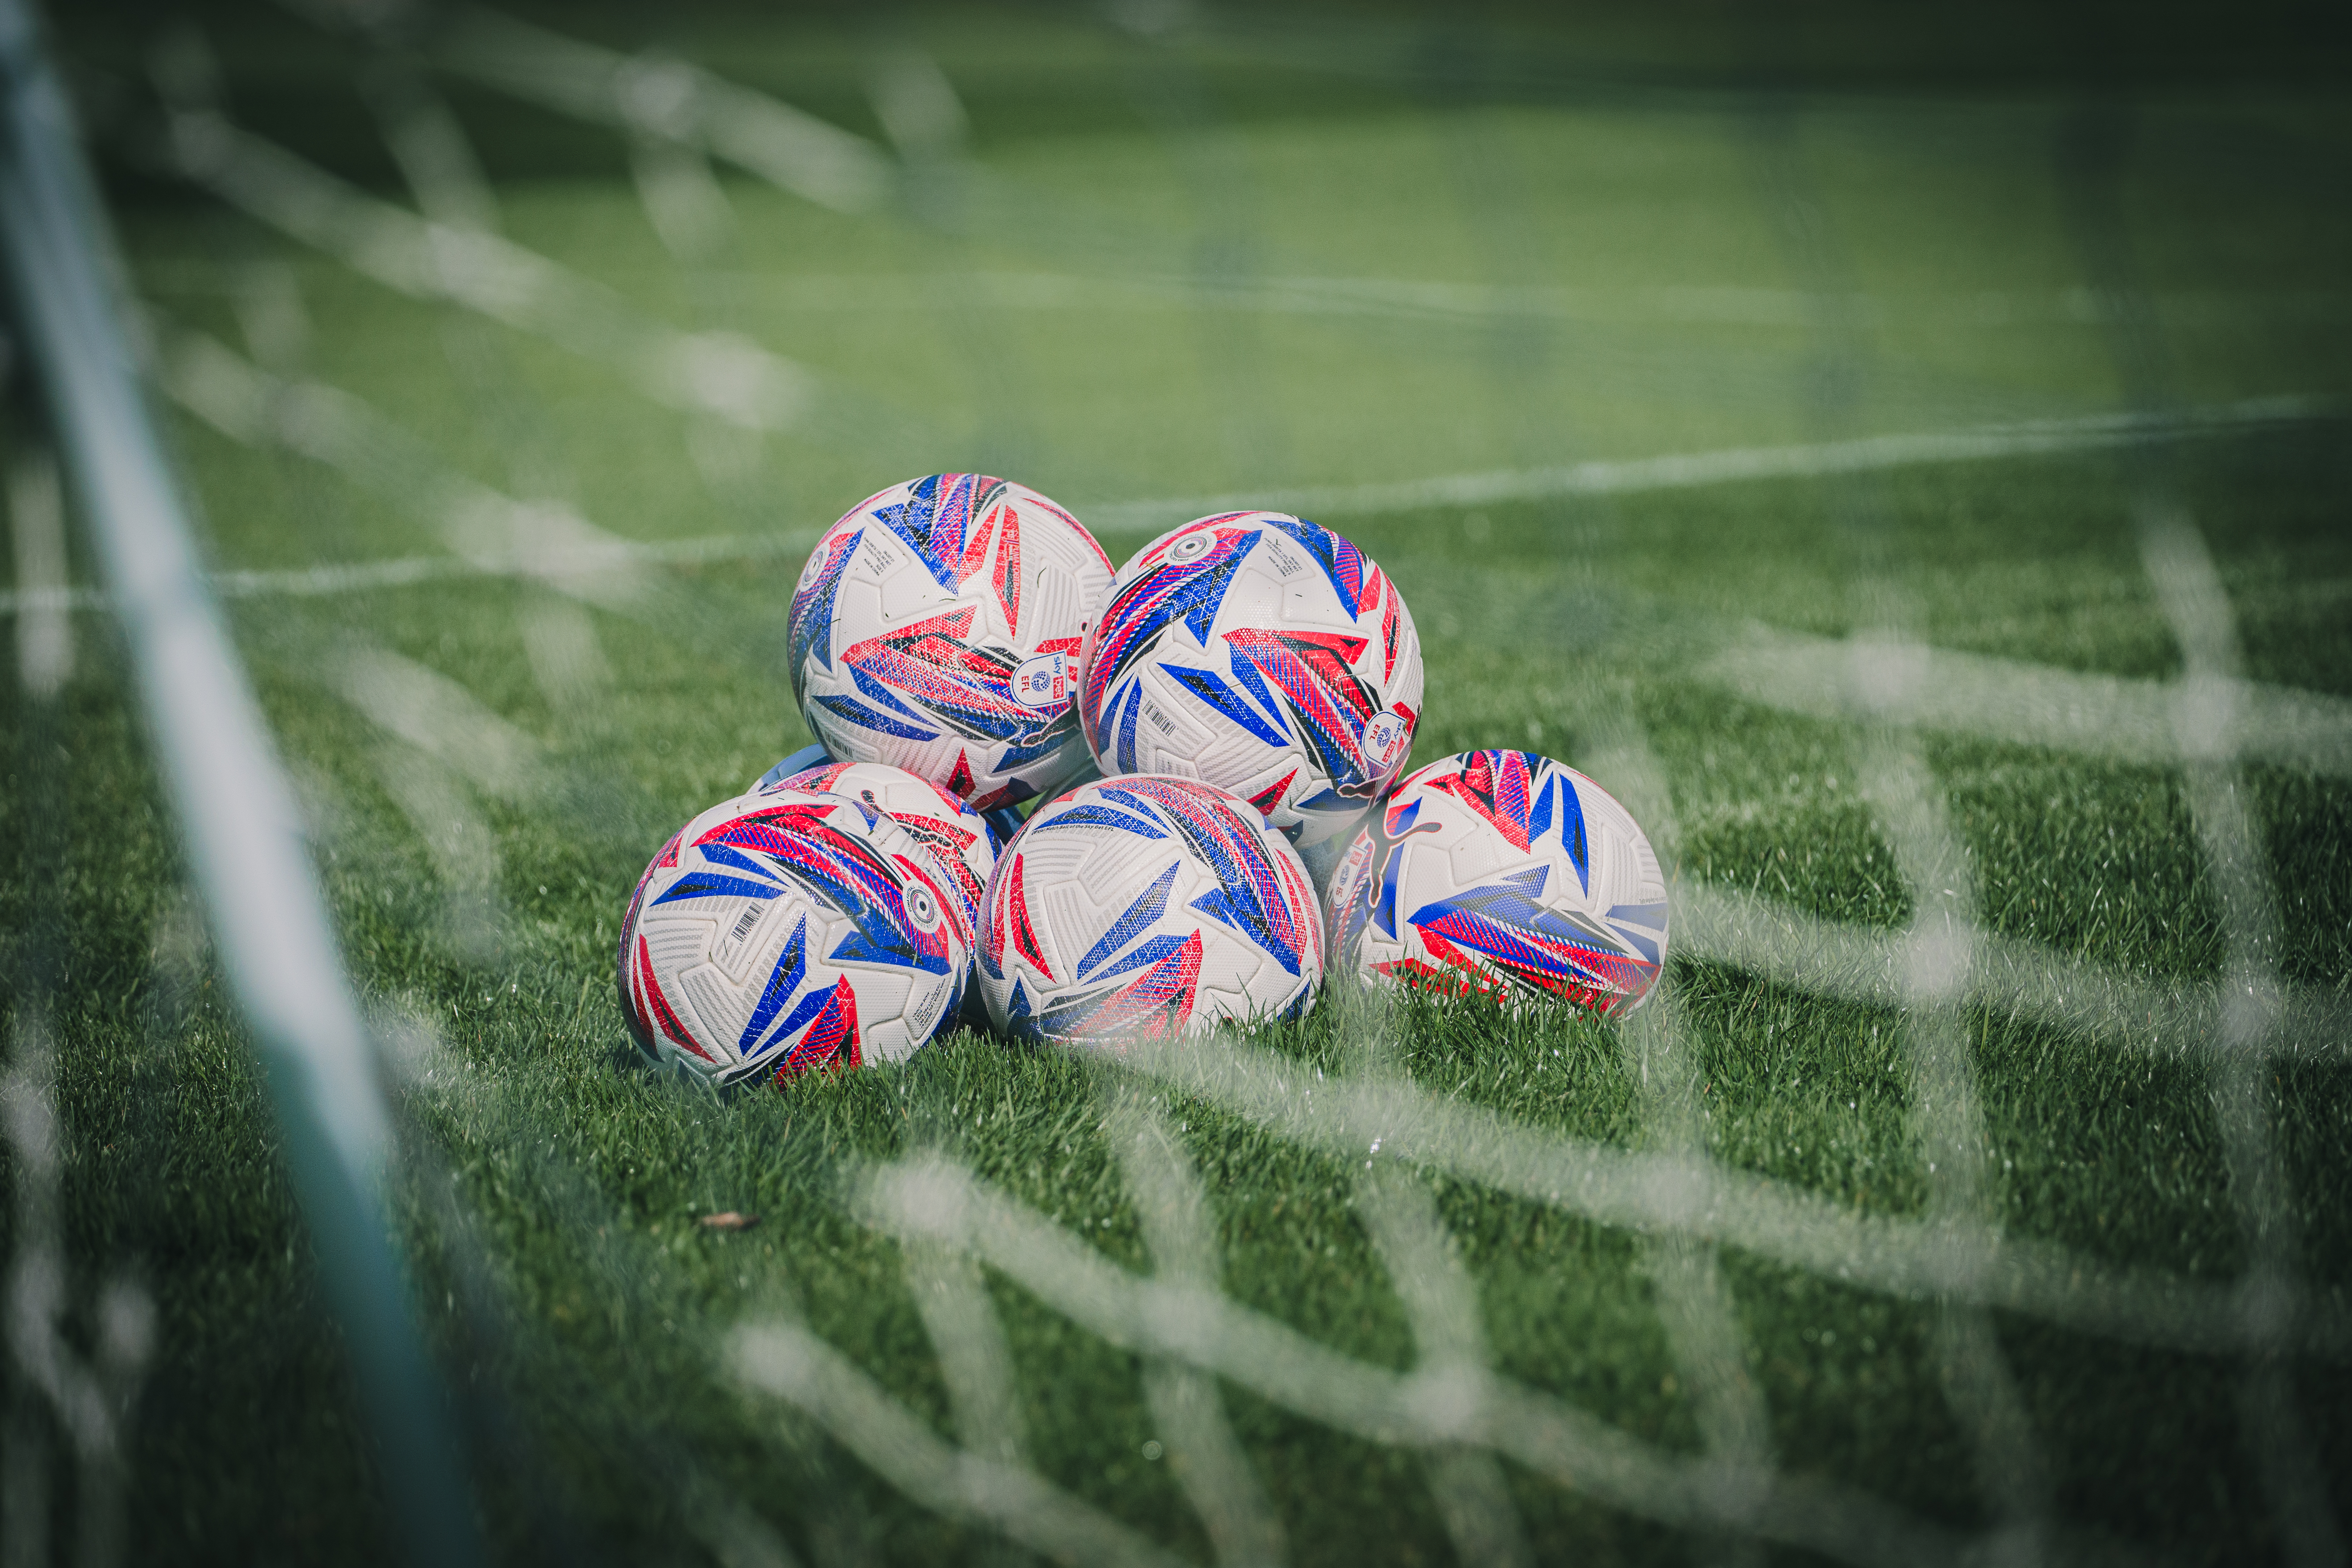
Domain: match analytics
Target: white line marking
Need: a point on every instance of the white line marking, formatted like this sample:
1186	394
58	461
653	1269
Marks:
506	537
2288	708
493	535
1412	299
510	538
1685	470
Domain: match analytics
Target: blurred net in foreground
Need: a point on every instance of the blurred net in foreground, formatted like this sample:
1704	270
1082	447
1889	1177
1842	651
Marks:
463	775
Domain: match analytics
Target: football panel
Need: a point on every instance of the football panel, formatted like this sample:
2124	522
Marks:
712	1008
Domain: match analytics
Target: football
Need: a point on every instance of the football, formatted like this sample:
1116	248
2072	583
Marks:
938	627
1262	654
786	931
958	837
1504	873
1147	905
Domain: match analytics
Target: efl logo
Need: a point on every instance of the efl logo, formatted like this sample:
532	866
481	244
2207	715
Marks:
1385	740
1043	681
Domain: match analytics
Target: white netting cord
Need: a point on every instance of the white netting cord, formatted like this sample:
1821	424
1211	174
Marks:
1437	1408
677	116
2197	608
1695	1301
1179	1230
1947	1122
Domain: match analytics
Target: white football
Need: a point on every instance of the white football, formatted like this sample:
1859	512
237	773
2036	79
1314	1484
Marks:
1508	874
783	931
937	627
1146	906
957	835
1264	655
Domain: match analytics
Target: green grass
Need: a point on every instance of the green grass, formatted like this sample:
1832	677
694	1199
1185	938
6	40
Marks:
549	1200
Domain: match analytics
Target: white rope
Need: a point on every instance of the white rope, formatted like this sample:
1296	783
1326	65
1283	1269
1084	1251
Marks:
489	533
1695	1300
1853	962
1440	1303
787	1361
462	849
1947	1124
1649	1191
2033	705
89	1394
2197	611
716	372
36	516
1451	1405
443	720
1187	1410
1781	943
952	1296
1453	1396
656	96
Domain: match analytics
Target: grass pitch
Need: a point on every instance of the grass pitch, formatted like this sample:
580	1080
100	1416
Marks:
1136	281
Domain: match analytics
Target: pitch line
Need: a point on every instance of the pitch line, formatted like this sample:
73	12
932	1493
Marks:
1963	691
1644	1191
2275	712
1441	303
932	1199
2022	703
1692	470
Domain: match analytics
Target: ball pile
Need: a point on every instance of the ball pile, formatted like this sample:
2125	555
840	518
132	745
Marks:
1246	686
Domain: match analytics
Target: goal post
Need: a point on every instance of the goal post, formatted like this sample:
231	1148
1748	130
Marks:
240	826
